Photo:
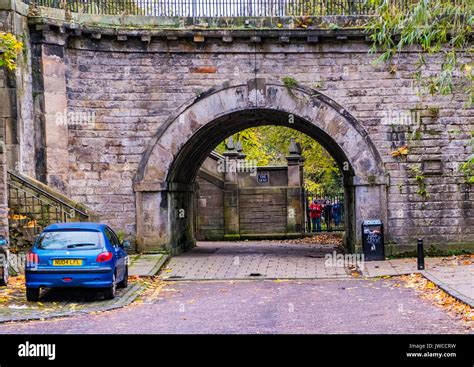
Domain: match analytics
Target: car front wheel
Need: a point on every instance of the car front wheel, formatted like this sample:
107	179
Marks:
32	294
109	292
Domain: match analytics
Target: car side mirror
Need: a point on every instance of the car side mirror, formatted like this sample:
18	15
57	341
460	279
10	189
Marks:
126	244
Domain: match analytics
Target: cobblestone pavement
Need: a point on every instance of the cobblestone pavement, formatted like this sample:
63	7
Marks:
253	260
270	306
62	302
69	302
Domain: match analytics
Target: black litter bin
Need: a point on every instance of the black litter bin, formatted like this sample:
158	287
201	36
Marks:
372	240
3	261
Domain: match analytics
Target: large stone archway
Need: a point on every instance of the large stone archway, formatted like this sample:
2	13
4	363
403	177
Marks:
166	174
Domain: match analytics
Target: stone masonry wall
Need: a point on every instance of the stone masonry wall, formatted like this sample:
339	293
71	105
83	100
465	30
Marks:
131	93
263	211
3	166
18	124
16	106
210	210
262	206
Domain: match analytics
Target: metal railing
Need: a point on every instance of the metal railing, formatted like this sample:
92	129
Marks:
30	209
333	218
216	8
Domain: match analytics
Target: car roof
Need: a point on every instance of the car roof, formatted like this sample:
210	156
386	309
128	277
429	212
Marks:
76	225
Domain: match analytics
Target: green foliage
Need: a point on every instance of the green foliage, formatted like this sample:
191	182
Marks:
104	7
434	112
432	26
10	47
289	82
372	180
268	145
416	134
121	235
420	181
468	169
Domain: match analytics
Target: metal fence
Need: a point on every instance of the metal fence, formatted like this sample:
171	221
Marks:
332	215
216	8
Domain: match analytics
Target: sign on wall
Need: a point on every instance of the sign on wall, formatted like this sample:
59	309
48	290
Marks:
262	178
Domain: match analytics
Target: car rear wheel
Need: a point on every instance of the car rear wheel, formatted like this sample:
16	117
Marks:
32	294
124	282
4	278
109	292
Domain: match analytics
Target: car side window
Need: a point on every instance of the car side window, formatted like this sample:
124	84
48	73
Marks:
108	235
112	237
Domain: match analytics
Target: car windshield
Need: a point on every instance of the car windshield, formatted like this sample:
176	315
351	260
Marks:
61	240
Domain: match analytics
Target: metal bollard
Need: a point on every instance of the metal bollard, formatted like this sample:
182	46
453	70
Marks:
421	255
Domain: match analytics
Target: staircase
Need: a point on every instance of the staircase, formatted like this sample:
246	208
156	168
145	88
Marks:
33	205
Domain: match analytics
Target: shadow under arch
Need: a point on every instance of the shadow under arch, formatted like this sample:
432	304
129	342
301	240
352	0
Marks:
164	180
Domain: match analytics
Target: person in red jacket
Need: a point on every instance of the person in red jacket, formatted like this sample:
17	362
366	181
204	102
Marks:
315	210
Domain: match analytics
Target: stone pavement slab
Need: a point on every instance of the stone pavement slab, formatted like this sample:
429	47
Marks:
253	260
143	265
458	281
395	267
448	273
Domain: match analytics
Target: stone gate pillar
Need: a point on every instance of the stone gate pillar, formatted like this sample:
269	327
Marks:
50	109
231	192
5	114
370	199
3	192
294	191
165	217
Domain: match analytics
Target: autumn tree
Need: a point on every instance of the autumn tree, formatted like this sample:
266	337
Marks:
268	145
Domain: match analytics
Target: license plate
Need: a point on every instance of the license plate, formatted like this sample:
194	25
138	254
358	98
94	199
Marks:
67	262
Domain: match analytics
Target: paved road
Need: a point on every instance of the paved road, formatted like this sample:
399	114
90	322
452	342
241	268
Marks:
264	306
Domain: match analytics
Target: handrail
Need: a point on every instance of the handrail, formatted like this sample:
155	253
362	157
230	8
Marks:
18	187
45	193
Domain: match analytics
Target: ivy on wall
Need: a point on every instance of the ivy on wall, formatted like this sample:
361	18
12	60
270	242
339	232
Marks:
420	182
468	169
10	47
428	26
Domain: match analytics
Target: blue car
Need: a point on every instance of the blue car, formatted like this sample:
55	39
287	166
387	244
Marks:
77	255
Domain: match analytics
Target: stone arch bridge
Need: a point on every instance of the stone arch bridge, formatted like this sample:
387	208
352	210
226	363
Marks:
118	113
